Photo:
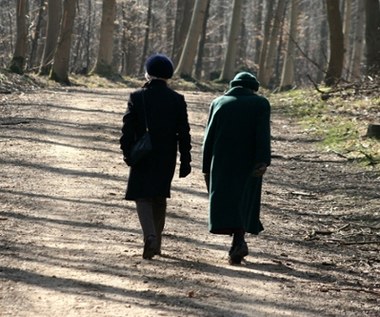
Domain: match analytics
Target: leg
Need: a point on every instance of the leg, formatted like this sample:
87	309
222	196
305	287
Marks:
159	215
145	213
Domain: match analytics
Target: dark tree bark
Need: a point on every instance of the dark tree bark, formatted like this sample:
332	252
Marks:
372	36
60	69
18	61
335	67
146	39
36	35
53	26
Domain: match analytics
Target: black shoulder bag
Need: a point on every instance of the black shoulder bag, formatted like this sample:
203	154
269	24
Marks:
143	145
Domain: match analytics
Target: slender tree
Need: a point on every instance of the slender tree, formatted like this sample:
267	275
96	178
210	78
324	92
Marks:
228	69
60	68
104	62
372	36
146	38
346	34
335	67
186	62
287	77
181	27
201	45
265	44
36	34
273	43
358	46
53	27
19	57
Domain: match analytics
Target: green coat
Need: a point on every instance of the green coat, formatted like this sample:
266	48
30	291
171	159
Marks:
237	138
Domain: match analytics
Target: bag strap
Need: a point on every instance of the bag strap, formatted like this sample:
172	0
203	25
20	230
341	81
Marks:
145	116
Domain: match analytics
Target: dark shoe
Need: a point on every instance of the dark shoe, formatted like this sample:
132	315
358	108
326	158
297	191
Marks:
150	247
237	253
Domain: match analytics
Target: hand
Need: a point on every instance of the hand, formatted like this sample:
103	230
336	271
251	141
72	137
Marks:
184	169
259	170
126	161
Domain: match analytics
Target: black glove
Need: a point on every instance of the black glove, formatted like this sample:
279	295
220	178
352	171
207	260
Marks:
259	170
184	169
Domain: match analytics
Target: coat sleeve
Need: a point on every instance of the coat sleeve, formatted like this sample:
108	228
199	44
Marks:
128	130
183	132
263	137
208	142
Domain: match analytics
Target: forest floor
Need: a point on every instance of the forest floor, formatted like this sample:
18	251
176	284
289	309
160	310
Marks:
71	246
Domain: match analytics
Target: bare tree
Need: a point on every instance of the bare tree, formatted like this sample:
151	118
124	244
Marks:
104	62
60	69
372	36
201	45
36	34
357	55
335	67
181	27
287	77
265	44
53	27
185	65
19	57
273	43
228	69
346	34
146	38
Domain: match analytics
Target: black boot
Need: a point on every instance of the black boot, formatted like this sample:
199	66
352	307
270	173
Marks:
150	247
239	248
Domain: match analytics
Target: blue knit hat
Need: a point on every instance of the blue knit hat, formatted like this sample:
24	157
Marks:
246	80
159	65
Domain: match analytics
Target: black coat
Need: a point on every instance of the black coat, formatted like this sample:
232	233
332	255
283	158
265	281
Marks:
166	113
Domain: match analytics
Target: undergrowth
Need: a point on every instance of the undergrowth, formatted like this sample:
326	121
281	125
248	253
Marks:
339	122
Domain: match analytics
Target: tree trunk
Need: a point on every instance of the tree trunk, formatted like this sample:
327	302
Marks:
181	28
146	39
186	62
335	67
53	27
271	56
104	62
18	61
264	45
287	77
346	34
258	30
372	36
355	69
228	70
88	36
201	46
36	34
60	69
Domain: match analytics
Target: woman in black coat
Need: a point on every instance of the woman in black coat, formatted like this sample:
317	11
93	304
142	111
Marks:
165	113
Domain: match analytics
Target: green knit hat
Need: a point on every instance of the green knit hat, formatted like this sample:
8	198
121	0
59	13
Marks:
246	80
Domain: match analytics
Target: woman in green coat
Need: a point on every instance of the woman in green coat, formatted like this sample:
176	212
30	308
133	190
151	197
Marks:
236	153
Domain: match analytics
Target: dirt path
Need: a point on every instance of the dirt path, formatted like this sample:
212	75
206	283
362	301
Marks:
71	246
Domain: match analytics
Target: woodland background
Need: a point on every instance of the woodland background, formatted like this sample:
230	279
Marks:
287	43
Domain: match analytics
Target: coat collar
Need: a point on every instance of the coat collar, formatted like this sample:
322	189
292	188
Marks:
238	91
155	83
